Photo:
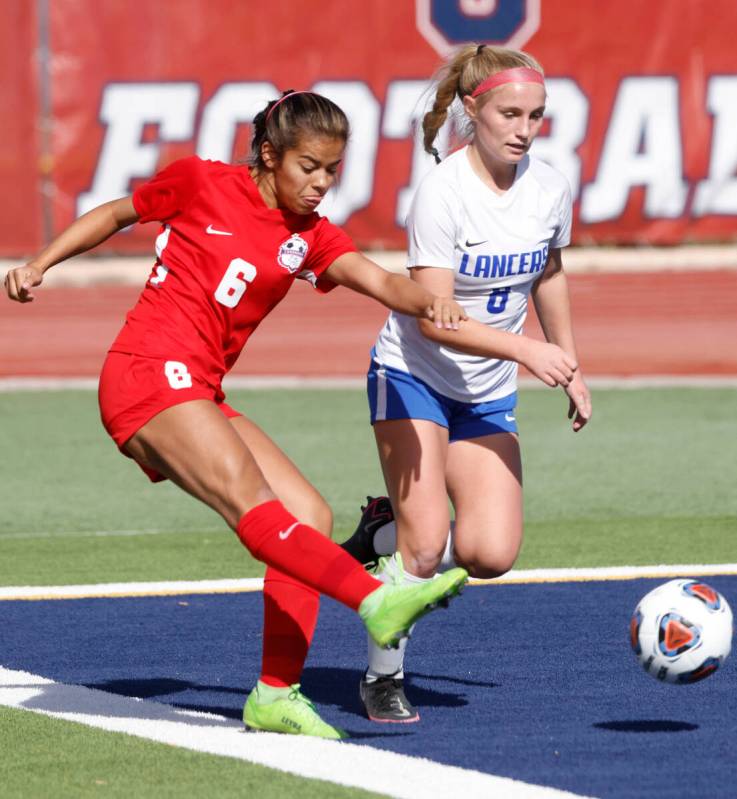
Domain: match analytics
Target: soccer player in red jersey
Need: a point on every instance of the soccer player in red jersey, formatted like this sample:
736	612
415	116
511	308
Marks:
234	239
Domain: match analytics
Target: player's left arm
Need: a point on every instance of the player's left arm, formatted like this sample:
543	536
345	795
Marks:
553	306
356	272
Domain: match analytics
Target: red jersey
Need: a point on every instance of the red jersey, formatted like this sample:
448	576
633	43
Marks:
223	261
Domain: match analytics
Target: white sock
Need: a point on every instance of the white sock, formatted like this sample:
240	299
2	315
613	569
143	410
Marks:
447	562
385	539
389	662
385	543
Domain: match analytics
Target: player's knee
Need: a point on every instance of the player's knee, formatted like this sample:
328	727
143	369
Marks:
487	562
425	559
317	514
485	571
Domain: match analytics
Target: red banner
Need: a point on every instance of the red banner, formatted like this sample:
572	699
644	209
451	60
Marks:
22	166
642	103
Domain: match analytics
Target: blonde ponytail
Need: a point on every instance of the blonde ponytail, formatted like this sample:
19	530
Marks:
471	64
448	88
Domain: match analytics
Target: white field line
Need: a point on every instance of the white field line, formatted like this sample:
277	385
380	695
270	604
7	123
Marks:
605	573
104	590
338	762
603	382
8	384
250	584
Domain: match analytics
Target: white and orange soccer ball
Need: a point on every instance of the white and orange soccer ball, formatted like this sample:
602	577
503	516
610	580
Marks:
681	631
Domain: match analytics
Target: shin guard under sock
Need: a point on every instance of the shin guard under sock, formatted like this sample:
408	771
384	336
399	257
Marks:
275	537
290	615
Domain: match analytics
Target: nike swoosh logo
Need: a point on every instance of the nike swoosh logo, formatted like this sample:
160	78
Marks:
284	534
509	418
211	230
475	243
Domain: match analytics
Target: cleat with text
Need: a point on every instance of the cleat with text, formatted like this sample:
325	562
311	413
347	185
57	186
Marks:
293	715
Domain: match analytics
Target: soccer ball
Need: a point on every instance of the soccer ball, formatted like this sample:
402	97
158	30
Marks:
681	631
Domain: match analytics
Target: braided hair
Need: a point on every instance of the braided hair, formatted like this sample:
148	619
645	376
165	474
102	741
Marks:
471	64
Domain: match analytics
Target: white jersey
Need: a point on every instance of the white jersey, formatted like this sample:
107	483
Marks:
497	245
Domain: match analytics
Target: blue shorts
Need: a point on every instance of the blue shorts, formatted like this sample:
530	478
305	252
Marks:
394	394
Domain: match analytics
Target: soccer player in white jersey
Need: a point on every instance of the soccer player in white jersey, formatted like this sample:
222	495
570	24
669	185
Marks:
488	224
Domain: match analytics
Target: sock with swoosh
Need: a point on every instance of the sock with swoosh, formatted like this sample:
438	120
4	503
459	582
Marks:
290	616
274	536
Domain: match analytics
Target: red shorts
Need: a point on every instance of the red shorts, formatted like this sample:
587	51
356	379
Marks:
134	388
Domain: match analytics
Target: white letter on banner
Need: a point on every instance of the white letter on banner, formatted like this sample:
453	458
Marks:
232	103
354	188
718	193
568	109
126	109
642	148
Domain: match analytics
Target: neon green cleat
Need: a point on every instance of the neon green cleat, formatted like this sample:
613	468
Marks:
294	714
390	611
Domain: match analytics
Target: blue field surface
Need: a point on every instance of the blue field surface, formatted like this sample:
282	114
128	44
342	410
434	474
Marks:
534	682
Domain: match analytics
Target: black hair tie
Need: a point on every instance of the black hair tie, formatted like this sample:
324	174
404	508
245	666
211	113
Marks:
435	154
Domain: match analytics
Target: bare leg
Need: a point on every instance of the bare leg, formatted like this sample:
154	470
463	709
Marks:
484	481
217	461
484	477
201	451
413	453
299	496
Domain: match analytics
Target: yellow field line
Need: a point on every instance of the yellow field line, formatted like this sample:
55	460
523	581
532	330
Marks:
253	584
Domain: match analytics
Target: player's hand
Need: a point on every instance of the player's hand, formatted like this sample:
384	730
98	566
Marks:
446	313
548	362
20	281
579	407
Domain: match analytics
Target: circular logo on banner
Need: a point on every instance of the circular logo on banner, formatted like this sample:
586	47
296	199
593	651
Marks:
292	252
446	24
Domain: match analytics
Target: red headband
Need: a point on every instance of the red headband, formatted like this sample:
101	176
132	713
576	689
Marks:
281	100
515	75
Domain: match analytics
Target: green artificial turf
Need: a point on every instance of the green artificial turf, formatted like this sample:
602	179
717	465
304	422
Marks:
651	480
47	758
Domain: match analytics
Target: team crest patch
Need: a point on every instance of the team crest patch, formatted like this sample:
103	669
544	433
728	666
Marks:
292	252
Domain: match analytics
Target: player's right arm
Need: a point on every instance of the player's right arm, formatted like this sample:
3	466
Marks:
83	234
547	362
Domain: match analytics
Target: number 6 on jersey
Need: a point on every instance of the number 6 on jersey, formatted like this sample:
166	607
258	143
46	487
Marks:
235	282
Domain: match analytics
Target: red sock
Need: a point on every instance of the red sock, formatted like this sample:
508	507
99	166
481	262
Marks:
290	615
275	537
